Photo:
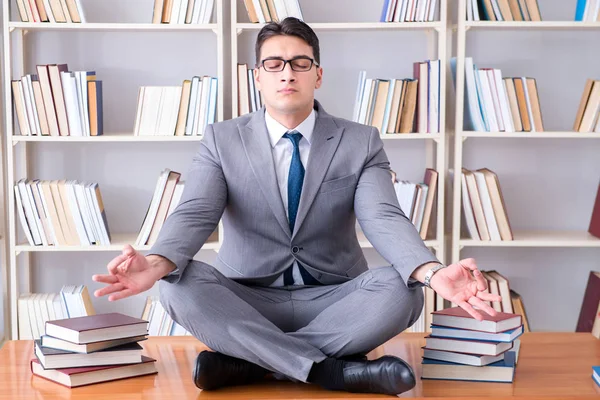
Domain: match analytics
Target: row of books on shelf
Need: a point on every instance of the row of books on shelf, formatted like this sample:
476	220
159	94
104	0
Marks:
50	11
484	209
182	11
401	105
177	110
408	11
587	11
160	322
262	11
35	309
416	200
58	102
249	97
91	349
503	10
588	113
497	104
463	348
61	212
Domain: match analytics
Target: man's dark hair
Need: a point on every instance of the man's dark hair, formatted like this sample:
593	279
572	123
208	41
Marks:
289	26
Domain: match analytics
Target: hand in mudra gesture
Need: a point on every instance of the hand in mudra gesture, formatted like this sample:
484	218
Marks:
463	284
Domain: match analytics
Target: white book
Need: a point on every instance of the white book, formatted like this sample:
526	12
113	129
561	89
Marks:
165	121
528	102
85	210
153	208
468	210
388	107
25	330
203	105
434	96
259	13
208	12
504	104
138	113
281	9
50	307
23	218
48	9
491	81
488	103
74	208
81	13
150	110
421	9
28	106
294	9
196	12
96	217
104	232
488	210
497	12
36	117
182	11
71	102
46	209
421	206
36	214
189	125
174	103
82	94
175	199
198	103
28	212
251	92
212	104
358	97
362	116
33	320
175	8
432	10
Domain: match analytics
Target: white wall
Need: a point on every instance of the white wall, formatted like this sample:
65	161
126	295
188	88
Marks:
546	183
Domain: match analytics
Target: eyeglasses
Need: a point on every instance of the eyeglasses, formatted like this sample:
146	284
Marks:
298	64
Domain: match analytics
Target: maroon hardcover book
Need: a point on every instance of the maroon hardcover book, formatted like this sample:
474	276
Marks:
595	220
98	321
589	305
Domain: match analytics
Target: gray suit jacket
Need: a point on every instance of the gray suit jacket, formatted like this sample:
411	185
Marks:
347	177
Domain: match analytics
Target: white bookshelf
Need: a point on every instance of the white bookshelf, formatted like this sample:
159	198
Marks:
19	161
522	238
437	34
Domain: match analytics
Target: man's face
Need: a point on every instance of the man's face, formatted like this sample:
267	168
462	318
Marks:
287	91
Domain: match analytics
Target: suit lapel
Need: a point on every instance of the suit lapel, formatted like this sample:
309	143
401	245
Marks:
258	150
325	140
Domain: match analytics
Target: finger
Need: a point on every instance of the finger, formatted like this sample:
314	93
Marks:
128	250
121	295
118	260
109	289
469	263
482	306
486	296
104	278
468	308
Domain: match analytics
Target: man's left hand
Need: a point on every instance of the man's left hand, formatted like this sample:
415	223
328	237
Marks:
456	284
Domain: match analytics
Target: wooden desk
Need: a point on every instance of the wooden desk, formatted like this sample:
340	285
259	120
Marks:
551	366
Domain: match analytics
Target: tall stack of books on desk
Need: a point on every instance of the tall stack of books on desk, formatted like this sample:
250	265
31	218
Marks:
463	348
91	349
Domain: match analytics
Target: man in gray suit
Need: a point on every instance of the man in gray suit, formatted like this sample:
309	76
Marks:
290	292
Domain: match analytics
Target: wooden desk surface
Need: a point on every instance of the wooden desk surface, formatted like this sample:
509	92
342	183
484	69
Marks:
551	366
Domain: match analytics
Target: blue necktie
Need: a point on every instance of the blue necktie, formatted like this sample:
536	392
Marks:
294	190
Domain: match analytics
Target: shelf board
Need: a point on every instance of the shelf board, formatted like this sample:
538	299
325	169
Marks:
113	137
539	239
93	26
117	243
408	136
357	26
548	134
365	244
532	25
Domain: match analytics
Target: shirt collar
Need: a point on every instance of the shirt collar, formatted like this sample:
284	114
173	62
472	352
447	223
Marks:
276	130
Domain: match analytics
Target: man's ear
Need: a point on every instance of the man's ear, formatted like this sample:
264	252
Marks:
257	77
319	78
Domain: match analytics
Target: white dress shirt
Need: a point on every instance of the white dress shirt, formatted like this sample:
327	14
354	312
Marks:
283	149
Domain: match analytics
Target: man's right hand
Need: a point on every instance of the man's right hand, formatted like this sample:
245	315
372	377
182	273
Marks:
129	274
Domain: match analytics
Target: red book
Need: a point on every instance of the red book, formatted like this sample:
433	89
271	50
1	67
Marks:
94	328
589	305
73	377
456	317
594	228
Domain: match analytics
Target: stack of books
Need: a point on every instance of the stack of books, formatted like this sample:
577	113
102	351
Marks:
483	205
463	348
588	113
494	103
182	11
91	349
61	213
503	10
58	102
408	11
51	11
272	10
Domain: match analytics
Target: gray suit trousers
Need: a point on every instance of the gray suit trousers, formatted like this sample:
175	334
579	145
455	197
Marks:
287	329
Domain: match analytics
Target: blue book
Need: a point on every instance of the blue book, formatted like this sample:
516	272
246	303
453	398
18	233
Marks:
457	333
502	371
386	4
596	375
580	10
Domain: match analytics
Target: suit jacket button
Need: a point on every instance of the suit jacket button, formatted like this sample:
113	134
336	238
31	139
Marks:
295	249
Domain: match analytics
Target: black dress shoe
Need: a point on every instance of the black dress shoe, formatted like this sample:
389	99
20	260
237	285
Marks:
386	375
214	370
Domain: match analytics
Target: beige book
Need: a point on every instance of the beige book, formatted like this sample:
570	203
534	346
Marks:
401	105
429	308
369	114
243	94
536	110
20	107
53	213
523	7
65	8
189	14
272	10
61	206
591	110
158	11
423	98
73	11
533	9
493	289
395	106
504	288
489	10
54	71
87	301
380	102
589	83
23	11
48	98
476	204
493	185
57	11
166	12
184	103
409	107
515	10
505	10
513	103
520	91
251	11
431	180
265	10
39	105
163	206
41	10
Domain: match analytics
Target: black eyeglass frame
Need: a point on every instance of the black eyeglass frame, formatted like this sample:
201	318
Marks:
285	62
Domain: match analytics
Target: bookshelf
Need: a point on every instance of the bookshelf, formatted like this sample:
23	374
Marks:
436	43
537	230
21	151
